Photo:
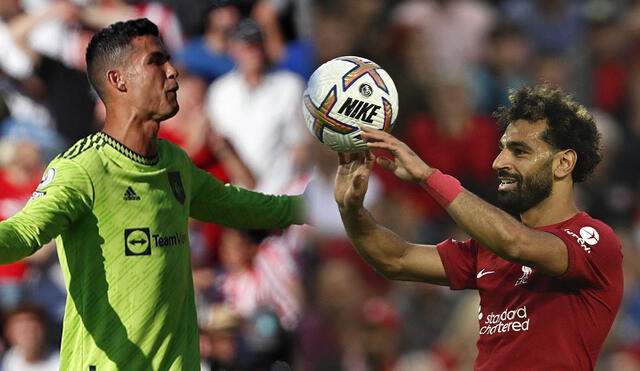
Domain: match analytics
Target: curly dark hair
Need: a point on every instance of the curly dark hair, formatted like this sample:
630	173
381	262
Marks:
570	126
108	46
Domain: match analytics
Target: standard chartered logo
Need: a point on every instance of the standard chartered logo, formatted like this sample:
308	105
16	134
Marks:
515	320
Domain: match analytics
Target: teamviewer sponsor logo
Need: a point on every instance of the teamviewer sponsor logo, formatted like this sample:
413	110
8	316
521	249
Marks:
510	320
137	241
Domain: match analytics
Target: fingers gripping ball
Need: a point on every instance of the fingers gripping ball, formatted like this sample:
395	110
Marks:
344	93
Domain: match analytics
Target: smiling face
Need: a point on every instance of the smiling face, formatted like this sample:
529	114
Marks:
524	166
151	80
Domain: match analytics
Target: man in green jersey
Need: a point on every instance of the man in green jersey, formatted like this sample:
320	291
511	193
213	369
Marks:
120	200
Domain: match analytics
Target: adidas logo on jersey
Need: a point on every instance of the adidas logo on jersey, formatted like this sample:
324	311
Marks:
130	195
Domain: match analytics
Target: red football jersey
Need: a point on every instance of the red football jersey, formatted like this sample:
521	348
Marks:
533	321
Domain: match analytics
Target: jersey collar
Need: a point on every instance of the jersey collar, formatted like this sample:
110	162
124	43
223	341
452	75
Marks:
133	156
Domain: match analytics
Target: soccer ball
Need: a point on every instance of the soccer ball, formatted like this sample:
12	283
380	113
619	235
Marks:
344	93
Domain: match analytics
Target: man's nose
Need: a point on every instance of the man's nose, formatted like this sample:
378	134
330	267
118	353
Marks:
172	71
500	162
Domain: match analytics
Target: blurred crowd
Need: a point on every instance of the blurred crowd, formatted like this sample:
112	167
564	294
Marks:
302	298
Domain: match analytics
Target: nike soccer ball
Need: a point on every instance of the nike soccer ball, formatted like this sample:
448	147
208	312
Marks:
344	93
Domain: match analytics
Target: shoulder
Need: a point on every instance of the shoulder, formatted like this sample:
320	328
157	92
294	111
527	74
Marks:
221	86
589	232
172	151
83	155
286	78
83	146
195	44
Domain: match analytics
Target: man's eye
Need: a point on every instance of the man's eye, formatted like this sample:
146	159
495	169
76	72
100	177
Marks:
158	60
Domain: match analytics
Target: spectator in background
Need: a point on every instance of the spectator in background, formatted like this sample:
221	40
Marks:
66	91
608	65
221	339
20	172
283	45
22	92
330	335
207	55
552	68
106	12
552	25
469	20
260	272
259	111
25	328
506	66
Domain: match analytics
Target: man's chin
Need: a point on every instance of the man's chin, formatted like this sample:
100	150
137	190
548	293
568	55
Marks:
509	202
170	114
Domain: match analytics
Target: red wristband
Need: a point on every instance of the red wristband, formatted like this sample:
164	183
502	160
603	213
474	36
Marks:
443	188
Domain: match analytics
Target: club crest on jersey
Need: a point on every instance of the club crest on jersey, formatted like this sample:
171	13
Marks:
176	186
526	274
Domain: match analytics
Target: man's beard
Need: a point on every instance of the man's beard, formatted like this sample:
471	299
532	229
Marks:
529	191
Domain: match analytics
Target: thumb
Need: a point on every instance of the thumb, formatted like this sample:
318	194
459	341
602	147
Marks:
386	163
359	182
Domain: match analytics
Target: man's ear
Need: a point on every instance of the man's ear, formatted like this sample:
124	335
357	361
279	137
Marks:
115	79
564	163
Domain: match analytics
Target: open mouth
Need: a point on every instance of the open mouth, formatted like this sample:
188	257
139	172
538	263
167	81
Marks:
507	184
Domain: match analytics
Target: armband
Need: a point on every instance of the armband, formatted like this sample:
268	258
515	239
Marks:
443	188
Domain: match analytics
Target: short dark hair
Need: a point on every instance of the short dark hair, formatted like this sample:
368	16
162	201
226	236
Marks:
26	308
106	48
570	126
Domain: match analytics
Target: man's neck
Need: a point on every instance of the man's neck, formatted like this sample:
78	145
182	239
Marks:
556	208
138	135
253	78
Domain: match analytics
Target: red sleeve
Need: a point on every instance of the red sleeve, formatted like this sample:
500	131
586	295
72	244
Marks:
459	260
595	253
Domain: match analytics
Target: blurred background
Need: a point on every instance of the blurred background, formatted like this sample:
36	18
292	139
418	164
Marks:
302	298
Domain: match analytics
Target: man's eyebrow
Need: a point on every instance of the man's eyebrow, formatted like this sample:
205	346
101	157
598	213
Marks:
517	144
159	54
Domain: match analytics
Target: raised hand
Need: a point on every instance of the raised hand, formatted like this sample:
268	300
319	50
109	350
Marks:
406	165
352	179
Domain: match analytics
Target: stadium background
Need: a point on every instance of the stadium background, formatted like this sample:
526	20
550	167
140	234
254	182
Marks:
303	296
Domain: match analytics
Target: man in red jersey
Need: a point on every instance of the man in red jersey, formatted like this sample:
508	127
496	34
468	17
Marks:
551	284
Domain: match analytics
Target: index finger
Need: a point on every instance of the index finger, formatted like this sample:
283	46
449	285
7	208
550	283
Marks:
367	132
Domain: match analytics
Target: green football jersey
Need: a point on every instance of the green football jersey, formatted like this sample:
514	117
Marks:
123	244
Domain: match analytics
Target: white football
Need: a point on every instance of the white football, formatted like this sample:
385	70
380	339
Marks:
344	93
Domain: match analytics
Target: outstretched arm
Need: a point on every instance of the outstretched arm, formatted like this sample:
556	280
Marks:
491	227
64	195
389	254
236	207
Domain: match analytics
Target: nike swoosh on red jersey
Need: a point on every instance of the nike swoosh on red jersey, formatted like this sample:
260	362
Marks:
483	273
